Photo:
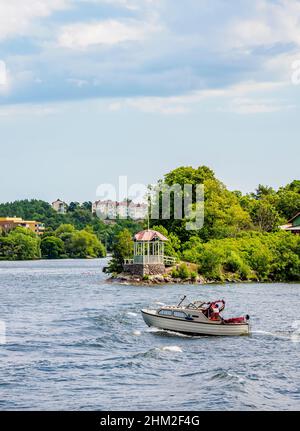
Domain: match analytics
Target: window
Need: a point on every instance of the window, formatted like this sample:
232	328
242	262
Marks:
179	314
165	313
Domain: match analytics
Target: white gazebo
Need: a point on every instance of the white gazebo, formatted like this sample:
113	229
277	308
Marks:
149	247
149	254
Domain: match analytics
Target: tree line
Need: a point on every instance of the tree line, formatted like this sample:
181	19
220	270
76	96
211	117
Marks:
76	234
240	239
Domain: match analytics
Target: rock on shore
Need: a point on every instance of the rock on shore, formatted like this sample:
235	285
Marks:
125	278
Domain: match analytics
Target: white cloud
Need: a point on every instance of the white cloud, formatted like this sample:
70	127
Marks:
256	106
16	16
157	105
3	74
274	22
110	32
78	82
230	99
252	32
128	4
30	109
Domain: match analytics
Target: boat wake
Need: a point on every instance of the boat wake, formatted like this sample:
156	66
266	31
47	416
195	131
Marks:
137	333
285	336
131	314
175	349
165	332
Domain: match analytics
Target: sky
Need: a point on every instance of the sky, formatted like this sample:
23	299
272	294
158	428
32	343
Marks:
94	89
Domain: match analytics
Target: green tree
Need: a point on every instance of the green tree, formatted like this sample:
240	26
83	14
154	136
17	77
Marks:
265	216
52	247
263	191
122	249
73	206
172	246
20	244
85	244
87	205
288	203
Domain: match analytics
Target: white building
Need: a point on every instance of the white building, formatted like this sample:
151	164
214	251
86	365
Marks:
137	211
112	210
59	206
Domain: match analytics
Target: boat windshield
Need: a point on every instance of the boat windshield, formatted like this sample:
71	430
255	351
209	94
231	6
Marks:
196	305
203	305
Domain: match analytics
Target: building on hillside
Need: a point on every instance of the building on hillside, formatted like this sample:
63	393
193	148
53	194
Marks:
9	223
112	210
293	225
59	206
105	209
138	211
148	254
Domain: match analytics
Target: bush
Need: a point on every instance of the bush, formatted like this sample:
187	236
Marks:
175	273
210	263
183	272
253	255
193	276
235	263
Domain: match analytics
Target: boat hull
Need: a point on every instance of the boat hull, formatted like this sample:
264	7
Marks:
194	327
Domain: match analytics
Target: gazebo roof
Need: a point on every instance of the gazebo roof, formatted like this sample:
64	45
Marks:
149	235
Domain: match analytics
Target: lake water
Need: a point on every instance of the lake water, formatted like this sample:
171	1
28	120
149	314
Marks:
75	342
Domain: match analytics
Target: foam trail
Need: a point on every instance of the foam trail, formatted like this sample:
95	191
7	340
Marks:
175	349
131	314
173	333
154	330
272	334
137	333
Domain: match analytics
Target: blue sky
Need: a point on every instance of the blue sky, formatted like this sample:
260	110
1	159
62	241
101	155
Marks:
94	89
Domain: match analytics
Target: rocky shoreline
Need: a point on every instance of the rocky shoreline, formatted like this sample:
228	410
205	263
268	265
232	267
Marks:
128	279
125	278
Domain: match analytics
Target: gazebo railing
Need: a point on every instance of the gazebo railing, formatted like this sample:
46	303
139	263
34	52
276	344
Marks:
148	259
169	260
166	260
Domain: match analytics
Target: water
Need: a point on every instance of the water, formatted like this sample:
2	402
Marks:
76	342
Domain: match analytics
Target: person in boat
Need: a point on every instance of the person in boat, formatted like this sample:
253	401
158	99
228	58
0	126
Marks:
214	310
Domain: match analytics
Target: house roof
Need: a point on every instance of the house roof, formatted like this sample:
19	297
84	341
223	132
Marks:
149	235
295	216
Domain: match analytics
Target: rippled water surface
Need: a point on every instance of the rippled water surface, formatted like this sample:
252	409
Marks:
74	341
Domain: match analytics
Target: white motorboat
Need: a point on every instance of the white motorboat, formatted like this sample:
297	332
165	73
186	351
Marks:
196	318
